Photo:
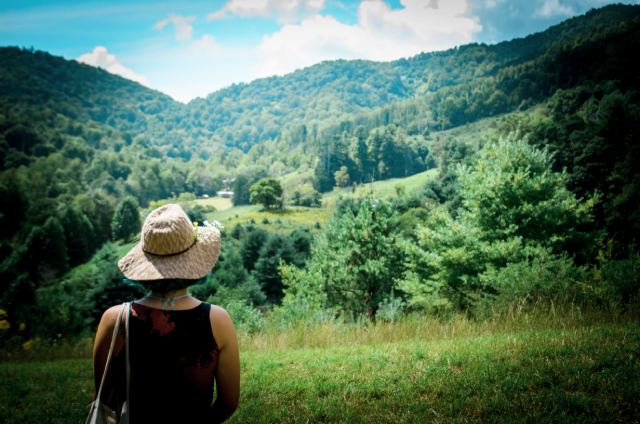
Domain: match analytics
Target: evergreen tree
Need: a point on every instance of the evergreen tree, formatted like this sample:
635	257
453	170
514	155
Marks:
300	241
46	252
358	257
251	245
126	219
277	249
79	235
241	194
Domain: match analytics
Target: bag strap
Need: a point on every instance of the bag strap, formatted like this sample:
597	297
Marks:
116	328
126	328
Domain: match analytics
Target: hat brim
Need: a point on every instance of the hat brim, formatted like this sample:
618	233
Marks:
192	264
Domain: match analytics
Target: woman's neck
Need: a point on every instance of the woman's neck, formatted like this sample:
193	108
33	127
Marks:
172	294
166	299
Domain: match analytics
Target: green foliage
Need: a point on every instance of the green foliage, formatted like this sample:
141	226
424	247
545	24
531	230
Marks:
304	301
230	280
353	156
511	191
126	219
341	177
252	244
357	257
514	209
46	252
74	303
198	212
244	316
241	194
13	206
538	275
79	235
390	309
306	196
300	240
591	130
618	279
268	192
276	249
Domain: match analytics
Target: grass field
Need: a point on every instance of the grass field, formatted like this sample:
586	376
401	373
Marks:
294	216
220	203
537	369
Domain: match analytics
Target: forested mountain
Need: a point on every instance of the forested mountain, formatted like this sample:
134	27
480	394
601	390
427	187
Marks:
332	91
60	92
76	140
48	103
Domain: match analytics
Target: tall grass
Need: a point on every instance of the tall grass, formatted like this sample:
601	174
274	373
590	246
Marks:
540	363
416	326
335	332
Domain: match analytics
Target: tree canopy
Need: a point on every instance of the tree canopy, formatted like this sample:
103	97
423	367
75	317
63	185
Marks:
267	192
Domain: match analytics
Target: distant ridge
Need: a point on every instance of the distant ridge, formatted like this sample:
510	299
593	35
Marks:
42	86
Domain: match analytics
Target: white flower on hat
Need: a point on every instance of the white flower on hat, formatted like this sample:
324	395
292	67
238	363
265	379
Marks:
215	224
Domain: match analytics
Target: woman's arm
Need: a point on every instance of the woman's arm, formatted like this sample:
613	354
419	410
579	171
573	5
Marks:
102	343
228	371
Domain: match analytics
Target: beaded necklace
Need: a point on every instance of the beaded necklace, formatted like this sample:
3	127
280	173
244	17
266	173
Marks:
170	301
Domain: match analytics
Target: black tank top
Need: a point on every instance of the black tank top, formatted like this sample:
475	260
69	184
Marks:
173	360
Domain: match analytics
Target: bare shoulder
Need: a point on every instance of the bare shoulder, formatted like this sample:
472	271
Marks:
110	315
222	325
105	329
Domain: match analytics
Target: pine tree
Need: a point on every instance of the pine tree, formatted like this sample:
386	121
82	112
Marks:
126	219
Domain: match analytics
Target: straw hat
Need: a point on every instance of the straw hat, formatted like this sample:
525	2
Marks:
171	247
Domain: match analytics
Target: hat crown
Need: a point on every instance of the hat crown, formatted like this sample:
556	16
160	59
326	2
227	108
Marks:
167	231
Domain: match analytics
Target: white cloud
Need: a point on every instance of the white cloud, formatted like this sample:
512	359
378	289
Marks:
182	25
207	45
554	8
101	58
284	11
381	33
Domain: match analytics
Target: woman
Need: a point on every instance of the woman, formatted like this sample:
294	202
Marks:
178	345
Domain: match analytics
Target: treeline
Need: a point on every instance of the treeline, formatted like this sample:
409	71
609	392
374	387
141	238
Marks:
593	133
331	92
599	56
357	157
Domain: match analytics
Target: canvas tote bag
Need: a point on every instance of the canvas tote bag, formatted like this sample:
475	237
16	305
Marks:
100	413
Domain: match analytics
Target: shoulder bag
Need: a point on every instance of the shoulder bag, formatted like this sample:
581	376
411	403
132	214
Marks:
100	413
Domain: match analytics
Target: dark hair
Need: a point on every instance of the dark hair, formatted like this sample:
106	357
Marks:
166	285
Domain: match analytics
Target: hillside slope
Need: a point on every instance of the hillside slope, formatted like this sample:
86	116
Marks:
330	92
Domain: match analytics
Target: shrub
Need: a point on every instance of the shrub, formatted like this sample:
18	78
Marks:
390	309
245	317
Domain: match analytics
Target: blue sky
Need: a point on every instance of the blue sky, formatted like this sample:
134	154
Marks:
192	48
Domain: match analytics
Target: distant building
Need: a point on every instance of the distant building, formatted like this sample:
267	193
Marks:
225	194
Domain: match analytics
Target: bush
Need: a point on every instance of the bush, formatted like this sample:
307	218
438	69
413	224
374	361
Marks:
245	317
304	302
540	276
390	309
620	277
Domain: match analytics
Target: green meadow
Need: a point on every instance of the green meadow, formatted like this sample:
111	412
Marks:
293	216
520	368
